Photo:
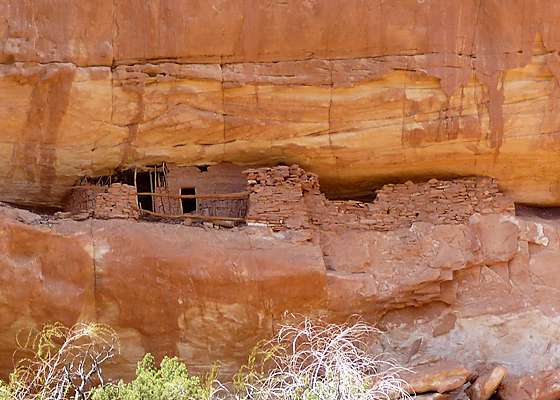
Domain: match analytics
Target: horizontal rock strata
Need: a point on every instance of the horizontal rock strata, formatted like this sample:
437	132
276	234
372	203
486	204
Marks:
363	95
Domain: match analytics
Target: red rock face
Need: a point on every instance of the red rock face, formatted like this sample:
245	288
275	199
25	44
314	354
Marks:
198	306
363	94
46	277
480	292
541	386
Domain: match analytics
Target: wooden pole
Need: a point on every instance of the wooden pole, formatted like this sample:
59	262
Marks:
164	168
136	187
160	185
240	195
191	216
151	188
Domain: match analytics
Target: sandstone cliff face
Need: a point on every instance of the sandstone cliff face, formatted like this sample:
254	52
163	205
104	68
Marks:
362	94
483	291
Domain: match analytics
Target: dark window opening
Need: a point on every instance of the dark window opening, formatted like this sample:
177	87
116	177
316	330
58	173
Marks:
189	205
202	168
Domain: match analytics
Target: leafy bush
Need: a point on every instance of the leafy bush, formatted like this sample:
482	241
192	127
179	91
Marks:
171	381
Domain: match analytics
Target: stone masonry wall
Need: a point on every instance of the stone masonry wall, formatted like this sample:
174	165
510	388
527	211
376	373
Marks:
436	201
119	201
82	198
276	196
116	201
288	197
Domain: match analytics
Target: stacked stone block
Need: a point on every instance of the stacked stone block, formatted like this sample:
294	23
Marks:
116	201
119	201
437	202
82	198
276	196
288	197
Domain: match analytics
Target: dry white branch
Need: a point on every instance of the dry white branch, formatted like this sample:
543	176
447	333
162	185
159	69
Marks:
58	362
317	361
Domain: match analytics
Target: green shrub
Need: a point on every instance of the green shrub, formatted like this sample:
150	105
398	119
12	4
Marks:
171	381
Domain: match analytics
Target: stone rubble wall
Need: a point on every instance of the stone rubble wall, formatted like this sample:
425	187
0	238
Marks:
276	196
119	201
436	201
116	201
288	197
82	198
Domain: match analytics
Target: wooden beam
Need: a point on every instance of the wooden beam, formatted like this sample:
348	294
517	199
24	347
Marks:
240	195
191	216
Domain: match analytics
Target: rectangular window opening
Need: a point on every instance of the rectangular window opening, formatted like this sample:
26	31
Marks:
189	205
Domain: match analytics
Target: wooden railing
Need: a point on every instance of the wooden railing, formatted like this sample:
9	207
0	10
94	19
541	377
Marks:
192	216
217	196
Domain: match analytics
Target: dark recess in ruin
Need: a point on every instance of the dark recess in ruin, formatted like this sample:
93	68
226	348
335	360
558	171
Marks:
144	185
188	205
550	213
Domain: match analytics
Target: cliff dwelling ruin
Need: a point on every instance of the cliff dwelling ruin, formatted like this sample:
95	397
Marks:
203	193
282	197
141	185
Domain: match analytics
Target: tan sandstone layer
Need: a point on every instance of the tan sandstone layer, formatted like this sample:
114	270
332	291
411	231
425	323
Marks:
483	291
362	94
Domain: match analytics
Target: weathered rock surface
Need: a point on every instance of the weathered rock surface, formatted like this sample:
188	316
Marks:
478	292
487	382
540	386
362	94
440	377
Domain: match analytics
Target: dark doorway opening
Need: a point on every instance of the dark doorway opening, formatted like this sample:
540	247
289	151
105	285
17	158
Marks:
144	181
145	184
189	205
